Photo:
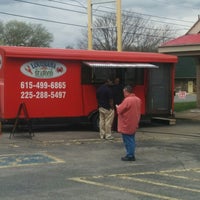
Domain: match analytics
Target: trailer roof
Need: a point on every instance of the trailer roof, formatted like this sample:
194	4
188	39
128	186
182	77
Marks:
86	55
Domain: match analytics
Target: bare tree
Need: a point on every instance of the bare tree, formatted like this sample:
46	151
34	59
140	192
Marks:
138	33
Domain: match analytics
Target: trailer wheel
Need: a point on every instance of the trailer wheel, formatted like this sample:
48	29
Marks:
95	122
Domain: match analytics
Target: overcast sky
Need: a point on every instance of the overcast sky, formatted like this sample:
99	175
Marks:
65	19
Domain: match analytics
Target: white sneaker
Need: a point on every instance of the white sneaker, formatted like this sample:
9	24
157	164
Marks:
102	136
110	137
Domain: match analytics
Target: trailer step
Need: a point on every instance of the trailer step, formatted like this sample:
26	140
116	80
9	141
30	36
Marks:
169	121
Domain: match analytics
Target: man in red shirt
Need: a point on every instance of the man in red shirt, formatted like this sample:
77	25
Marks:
129	112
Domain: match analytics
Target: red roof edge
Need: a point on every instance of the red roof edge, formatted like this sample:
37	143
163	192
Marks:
190	39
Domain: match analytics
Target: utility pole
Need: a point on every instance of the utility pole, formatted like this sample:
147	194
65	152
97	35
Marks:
118	22
90	25
119	25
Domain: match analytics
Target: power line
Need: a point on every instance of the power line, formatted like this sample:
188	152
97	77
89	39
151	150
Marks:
45	20
59	8
149	15
64	23
53	21
80	4
44	5
153	20
132	12
72	10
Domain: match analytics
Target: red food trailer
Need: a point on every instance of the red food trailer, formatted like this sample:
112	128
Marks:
59	85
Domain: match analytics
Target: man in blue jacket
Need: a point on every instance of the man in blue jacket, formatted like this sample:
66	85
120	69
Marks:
106	109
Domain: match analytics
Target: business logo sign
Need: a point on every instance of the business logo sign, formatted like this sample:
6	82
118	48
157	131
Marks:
43	69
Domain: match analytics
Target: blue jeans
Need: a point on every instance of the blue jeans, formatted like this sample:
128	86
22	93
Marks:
129	143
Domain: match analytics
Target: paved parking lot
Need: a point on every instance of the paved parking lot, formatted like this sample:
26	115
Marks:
169	184
75	164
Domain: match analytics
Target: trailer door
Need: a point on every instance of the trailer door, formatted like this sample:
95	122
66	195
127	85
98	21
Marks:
159	92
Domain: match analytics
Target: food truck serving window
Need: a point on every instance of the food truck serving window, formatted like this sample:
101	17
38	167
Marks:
97	72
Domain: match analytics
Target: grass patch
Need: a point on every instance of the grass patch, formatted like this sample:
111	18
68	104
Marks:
182	106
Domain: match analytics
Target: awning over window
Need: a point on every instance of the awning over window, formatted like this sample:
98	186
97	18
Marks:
119	65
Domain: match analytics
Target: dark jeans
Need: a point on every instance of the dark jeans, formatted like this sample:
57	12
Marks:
129	142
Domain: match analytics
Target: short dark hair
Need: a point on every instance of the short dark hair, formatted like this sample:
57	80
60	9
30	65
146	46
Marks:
128	88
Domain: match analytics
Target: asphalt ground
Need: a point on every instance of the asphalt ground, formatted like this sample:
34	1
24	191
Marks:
75	164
